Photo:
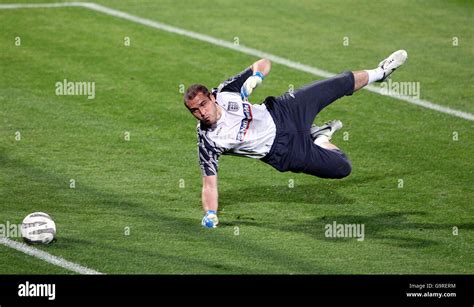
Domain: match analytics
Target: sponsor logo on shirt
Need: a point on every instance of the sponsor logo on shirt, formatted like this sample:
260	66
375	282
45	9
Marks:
245	124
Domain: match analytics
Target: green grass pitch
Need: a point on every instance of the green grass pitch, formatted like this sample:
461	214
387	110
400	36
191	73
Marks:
136	203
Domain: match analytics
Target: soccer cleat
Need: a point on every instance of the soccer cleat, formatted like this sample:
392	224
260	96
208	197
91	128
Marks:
390	64
327	129
210	219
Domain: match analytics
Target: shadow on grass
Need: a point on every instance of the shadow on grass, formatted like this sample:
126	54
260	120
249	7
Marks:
305	193
321	191
104	210
97	206
379	227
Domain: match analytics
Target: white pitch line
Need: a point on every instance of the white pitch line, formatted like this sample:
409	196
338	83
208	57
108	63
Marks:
38	5
254	52
423	103
58	261
246	50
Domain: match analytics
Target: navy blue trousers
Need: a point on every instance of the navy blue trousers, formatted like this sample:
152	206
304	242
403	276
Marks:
293	113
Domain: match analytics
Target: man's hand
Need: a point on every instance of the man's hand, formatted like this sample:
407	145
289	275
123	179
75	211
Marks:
210	219
251	83
260	69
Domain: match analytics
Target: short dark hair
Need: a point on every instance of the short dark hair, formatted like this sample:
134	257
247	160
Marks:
193	90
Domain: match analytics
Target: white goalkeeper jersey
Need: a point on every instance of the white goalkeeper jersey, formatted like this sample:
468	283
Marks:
244	129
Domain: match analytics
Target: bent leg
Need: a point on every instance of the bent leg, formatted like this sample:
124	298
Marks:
328	163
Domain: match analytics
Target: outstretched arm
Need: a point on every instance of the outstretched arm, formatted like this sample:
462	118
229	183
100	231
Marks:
209	201
208	153
209	193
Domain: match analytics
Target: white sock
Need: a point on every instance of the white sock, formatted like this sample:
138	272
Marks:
321	140
374	74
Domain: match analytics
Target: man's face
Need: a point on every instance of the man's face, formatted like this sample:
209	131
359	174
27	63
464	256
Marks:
204	108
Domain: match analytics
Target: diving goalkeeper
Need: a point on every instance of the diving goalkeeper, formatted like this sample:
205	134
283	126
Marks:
278	131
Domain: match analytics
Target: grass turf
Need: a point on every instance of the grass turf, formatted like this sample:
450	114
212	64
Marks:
267	226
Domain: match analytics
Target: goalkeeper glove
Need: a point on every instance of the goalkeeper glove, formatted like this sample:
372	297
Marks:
210	219
251	83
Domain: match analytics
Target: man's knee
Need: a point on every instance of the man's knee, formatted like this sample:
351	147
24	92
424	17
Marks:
341	166
343	170
335	171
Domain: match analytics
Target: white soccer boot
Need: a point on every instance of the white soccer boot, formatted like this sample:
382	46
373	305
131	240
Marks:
327	129
390	64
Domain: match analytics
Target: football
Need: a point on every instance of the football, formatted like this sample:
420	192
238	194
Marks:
38	228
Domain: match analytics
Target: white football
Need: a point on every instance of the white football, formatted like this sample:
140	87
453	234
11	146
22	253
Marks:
38	227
